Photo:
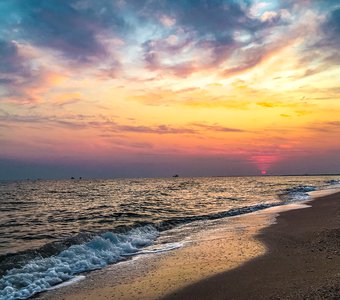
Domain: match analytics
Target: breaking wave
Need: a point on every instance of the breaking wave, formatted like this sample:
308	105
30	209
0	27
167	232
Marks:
297	193
41	274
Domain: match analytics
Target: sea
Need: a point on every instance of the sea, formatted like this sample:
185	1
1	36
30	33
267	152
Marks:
53	230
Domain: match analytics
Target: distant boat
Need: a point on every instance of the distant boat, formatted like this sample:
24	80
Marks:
176	175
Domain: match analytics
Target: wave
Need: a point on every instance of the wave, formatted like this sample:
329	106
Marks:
170	223
41	274
19	259
333	182
297	193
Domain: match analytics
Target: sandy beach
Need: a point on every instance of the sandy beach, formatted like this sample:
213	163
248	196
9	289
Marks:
295	257
302	261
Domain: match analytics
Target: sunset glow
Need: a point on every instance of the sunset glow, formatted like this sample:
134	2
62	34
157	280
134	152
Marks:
156	88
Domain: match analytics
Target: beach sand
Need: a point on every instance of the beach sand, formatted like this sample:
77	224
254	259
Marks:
302	261
235	258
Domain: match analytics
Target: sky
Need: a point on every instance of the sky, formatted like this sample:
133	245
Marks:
133	88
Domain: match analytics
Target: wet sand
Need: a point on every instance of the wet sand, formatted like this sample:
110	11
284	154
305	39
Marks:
236	258
302	261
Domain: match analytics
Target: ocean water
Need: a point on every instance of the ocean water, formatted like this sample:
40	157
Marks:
51	231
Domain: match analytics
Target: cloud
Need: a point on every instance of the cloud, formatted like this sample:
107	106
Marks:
106	124
16	73
326	127
167	21
72	27
176	37
251	58
208	18
38	37
217	128
331	28
86	122
205	32
179	37
322	50
160	129
14	69
156	53
12	64
40	120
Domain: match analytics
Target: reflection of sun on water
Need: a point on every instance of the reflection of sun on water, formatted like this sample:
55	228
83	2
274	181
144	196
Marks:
263	172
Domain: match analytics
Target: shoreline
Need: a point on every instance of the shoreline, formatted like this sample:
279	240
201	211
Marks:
165	272
302	260
196	270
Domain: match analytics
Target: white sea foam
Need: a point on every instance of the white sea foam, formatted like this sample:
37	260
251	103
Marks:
163	248
299	193
41	274
68	282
